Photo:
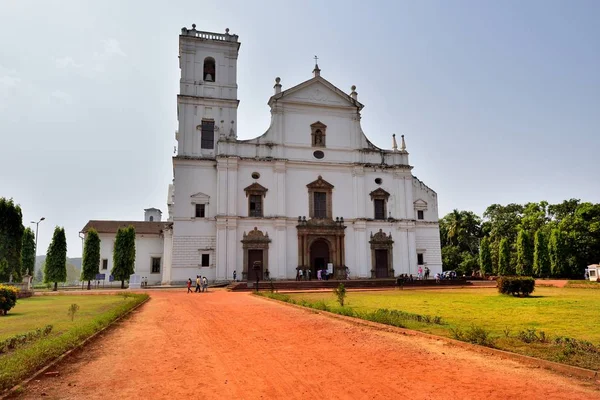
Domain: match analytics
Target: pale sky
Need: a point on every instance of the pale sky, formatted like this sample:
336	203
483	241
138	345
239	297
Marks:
499	101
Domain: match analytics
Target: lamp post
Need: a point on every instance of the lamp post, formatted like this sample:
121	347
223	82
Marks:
37	224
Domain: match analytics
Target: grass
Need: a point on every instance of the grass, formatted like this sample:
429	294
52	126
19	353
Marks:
470	314
95	313
583	284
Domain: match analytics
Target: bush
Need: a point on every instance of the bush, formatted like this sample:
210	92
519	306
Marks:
532	335
8	298
18	340
475	335
516	285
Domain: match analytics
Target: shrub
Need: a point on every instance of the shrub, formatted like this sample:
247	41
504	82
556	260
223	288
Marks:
8	298
516	285
340	293
532	335
18	340
475	335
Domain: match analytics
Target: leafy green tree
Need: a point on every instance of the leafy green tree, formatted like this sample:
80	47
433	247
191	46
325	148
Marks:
55	269
39	276
524	264
485	257
557	252
124	254
459	235
11	239
541	261
91	257
504	258
28	252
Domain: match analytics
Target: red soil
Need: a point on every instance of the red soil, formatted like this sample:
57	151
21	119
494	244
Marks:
225	345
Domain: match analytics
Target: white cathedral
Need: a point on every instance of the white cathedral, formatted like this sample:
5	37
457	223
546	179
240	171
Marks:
312	192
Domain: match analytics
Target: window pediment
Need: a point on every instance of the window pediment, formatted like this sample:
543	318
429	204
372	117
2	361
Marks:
320	183
256	189
318	125
200	198
420	205
379	193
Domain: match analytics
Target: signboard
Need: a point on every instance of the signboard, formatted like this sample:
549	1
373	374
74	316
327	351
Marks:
100	277
330	268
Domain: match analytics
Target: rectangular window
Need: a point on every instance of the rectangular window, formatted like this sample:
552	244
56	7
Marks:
320	204
255	206
420	214
592	272
420	258
156	265
200	210
205	260
379	208
104	263
207	137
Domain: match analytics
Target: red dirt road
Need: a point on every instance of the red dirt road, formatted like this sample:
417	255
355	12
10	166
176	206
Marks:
223	345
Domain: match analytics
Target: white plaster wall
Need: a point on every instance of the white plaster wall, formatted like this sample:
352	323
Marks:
428	242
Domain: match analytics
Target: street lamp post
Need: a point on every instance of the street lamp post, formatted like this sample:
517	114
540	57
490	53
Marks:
37	224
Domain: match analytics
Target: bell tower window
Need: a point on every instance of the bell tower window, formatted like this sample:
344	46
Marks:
209	74
207	135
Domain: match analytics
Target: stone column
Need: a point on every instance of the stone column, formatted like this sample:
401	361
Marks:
222	244
167	256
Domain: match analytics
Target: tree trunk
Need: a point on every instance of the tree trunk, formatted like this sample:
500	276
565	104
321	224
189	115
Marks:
122	284
89	285
55	286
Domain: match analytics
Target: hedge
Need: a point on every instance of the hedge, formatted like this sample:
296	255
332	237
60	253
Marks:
8	298
516	285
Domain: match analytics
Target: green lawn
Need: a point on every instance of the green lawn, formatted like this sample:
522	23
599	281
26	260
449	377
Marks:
560	312
567	312
39	311
95	312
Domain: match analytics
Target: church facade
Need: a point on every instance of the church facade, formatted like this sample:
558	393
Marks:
312	192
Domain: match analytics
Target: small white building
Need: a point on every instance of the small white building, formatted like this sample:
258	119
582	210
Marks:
149	245
593	272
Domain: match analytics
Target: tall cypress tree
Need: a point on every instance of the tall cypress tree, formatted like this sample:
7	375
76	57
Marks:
557	252
91	257
541	261
504	258
28	252
485	256
524	254
55	269
11	237
124	255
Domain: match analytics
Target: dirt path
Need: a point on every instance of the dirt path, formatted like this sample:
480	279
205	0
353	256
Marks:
224	345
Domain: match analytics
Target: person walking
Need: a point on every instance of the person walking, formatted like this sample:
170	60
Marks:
198	282
235	276
189	285
204	284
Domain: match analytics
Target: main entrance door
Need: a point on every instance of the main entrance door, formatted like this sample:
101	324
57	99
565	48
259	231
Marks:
319	256
254	255
381	263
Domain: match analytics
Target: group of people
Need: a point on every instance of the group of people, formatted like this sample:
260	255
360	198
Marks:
201	284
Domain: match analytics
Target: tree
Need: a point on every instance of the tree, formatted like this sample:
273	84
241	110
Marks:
541	261
11	239
91	257
524	265
124	255
39	276
504	258
485	257
55	269
557	253
28	252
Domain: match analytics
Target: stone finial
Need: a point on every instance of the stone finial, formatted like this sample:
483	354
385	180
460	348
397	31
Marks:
394	144
277	86
353	94
193	26
227	31
403	146
316	71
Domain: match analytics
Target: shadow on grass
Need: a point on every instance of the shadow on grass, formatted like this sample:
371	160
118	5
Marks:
11	314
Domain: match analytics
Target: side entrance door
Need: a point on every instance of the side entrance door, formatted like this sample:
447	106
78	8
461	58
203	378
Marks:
255	255
381	263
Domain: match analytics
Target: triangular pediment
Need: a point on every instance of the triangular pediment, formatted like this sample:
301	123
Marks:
379	193
420	204
317	91
320	183
255	188
200	196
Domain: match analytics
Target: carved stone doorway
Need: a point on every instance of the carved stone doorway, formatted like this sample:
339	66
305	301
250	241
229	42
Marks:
319	256
382	265
254	255
255	245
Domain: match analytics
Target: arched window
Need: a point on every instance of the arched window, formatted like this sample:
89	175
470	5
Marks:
209	70
151	218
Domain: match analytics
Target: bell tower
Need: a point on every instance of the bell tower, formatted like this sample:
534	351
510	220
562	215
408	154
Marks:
207	101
